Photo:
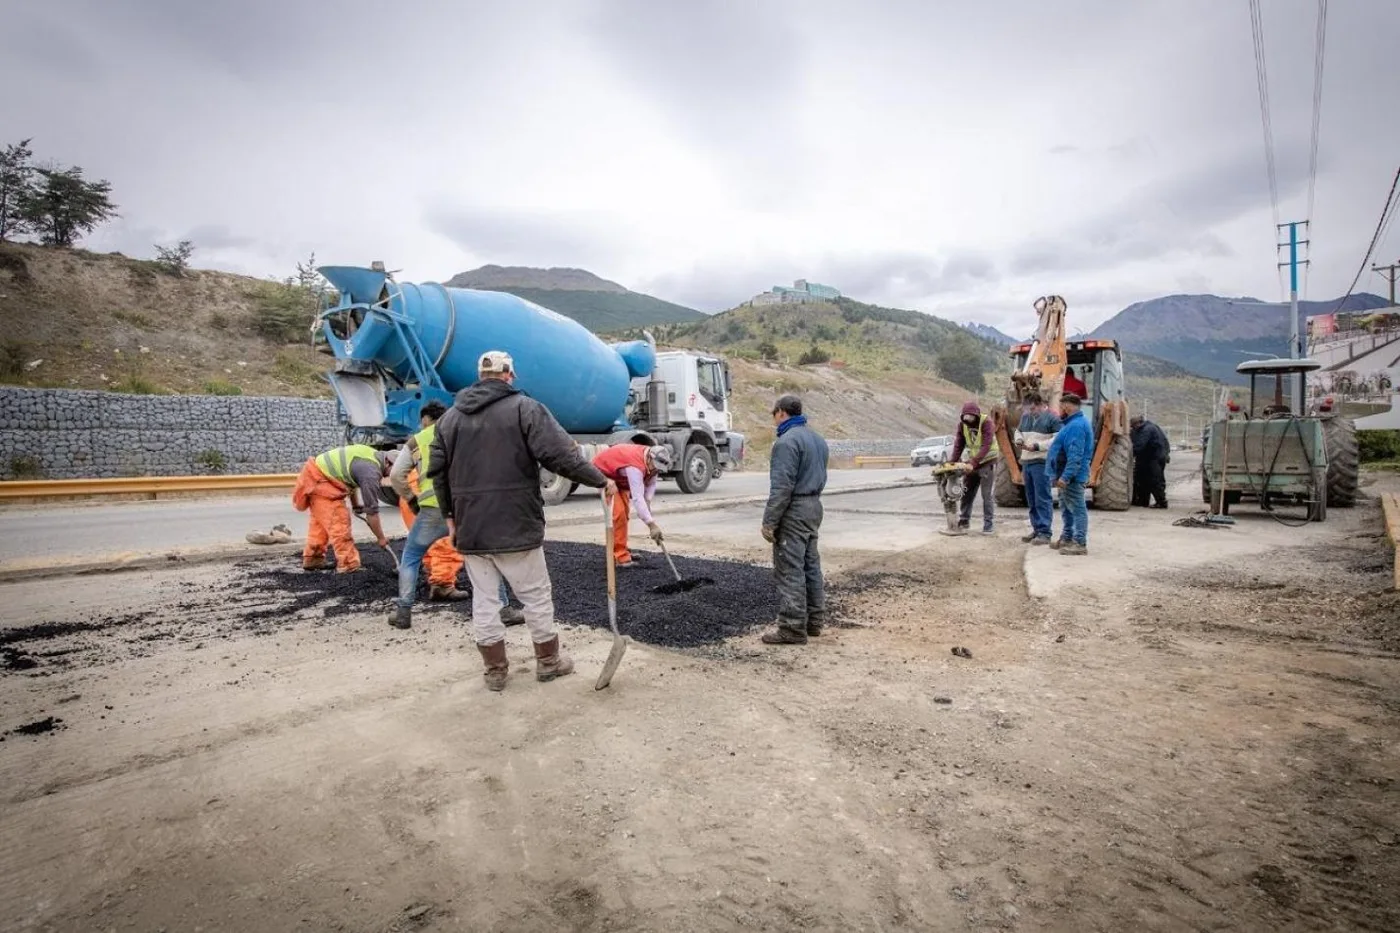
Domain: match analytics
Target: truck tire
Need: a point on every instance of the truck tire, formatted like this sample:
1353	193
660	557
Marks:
697	469
1343	461
1114	493
1008	495
554	488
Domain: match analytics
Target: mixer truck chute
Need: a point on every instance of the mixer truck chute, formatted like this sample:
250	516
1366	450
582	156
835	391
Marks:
398	346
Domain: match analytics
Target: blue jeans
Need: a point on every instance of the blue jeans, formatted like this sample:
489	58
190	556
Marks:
1038	496
428	526
1075	512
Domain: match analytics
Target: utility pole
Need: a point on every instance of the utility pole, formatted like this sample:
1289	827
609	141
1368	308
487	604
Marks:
1295	350
1389	274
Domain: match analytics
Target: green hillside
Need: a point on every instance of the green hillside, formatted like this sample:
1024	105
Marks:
606	311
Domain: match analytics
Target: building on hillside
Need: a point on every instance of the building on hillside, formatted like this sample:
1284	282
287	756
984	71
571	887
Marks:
802	290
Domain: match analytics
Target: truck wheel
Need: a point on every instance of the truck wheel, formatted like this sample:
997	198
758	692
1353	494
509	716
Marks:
1317	509
697	469
1007	494
1343	461
554	488
1114	493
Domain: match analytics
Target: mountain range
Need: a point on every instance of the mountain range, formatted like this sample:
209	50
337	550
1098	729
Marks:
596	303
988	332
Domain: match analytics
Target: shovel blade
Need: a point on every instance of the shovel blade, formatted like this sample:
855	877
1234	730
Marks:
619	648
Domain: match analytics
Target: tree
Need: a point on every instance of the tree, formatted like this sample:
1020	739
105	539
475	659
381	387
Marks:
175	259
960	362
16	187
64	205
767	350
813	355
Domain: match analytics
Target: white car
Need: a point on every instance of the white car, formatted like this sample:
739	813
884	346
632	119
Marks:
932	451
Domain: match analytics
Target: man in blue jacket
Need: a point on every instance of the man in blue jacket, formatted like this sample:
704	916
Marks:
1067	466
792	521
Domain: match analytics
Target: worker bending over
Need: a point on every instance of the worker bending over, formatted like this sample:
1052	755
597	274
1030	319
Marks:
634	468
485	467
323	485
428	543
975	447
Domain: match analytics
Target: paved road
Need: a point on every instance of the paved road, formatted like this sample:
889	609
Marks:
89	531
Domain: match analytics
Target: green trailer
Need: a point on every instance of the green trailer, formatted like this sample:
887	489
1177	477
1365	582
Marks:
1270	453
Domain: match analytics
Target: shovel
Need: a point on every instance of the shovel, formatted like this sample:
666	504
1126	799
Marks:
392	555
619	645
682	584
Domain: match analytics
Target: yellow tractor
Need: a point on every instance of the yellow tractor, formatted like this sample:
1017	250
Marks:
1094	371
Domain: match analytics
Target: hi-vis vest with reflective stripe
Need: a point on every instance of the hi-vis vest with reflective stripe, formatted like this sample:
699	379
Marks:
335	464
973	442
427	495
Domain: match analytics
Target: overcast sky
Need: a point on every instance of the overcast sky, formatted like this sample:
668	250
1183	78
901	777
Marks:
957	158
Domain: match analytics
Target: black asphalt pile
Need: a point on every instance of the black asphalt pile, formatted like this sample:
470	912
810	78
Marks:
260	597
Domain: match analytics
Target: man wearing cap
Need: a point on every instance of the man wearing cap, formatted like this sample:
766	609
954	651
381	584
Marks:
323	485
634	468
485	467
792	521
1067	467
1151	454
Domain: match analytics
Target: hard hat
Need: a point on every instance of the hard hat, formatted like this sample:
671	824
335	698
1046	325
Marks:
495	361
660	458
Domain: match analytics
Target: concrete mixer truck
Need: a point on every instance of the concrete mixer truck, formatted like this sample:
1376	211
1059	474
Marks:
398	346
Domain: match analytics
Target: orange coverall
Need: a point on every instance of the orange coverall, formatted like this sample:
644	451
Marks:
330	519
442	562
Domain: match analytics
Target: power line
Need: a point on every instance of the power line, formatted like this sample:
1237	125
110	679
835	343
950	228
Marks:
1256	22
1387	215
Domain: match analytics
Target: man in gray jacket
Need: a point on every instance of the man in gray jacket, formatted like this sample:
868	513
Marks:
485	466
792	521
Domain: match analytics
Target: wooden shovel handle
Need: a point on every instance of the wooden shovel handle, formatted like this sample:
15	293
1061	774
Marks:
608	528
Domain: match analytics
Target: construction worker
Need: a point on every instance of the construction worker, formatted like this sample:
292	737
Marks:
1067	467
792	521
1033	437
1151	454
634	468
484	463
428	543
324	484
975	447
1074	384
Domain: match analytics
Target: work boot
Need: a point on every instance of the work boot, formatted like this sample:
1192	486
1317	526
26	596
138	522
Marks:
1071	549
1040	539
957	532
512	616
988	530
401	617
782	635
815	624
446	593
550	662
348	569
1028	539
497	667
1057	544
318	564
1161	505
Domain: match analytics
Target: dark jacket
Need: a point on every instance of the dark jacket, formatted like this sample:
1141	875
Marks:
985	443
1150	445
486	461
1072	451
796	467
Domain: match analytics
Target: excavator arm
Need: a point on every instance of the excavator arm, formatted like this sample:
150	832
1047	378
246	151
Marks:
1043	371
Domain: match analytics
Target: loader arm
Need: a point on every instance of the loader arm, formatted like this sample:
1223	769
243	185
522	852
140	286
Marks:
1044	369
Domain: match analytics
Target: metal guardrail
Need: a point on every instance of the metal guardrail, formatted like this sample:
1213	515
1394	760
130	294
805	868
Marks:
152	486
895	460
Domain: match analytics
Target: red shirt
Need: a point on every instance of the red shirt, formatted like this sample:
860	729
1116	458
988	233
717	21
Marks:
1072	384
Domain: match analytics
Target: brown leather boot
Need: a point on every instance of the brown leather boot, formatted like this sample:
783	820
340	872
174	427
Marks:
446	593
497	667
550	662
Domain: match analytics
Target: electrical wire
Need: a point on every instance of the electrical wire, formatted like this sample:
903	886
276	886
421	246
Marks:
1387	215
1256	21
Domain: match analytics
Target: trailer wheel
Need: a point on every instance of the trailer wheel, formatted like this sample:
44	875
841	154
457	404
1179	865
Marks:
697	469
1114	493
554	488
1343	461
1008	494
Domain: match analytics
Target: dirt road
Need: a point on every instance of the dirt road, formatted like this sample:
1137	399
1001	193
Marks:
1189	729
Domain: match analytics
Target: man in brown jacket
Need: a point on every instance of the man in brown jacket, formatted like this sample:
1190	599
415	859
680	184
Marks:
485	465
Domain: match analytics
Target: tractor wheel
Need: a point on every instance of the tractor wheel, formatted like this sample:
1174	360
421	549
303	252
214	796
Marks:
1114	493
1343	461
1008	494
554	488
1317	508
697	469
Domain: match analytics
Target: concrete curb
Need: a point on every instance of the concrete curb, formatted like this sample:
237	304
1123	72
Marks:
117	563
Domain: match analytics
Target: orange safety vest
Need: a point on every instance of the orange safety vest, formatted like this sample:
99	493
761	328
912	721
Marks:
616	459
